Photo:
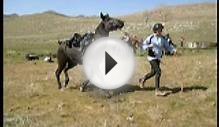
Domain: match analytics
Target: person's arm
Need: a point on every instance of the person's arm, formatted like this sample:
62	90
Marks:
169	47
146	44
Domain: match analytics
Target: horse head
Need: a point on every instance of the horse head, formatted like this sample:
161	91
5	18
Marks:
111	24
107	25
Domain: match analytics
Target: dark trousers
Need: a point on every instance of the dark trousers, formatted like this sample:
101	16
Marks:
155	70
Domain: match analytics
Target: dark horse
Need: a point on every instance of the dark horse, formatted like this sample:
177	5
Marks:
69	56
86	40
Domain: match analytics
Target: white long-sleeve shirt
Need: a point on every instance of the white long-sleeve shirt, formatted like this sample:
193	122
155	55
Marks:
158	44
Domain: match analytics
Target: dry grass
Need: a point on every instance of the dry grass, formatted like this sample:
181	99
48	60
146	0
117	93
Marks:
31	97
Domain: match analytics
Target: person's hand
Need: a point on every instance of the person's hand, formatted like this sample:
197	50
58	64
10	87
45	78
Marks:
174	52
150	45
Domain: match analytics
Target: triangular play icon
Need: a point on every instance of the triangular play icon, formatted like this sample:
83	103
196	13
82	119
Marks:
109	62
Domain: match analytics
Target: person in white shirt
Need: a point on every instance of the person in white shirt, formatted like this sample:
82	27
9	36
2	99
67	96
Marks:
156	44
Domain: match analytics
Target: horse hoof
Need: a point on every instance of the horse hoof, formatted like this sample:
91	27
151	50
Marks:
66	87
81	89
62	89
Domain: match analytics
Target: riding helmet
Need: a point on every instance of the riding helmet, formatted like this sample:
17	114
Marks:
157	26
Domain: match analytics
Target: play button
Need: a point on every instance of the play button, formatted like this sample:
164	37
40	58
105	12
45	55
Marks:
109	63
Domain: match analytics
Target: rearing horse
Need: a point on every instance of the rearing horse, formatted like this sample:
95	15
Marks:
69	56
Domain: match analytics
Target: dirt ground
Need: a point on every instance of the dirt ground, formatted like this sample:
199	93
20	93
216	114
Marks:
31	97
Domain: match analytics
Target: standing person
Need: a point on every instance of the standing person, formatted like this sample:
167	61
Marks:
155	44
182	40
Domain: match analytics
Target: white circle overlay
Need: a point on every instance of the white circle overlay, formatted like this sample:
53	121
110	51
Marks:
94	63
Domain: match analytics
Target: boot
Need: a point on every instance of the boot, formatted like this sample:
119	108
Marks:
160	93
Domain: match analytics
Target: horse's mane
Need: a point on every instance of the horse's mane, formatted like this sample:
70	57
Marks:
100	31
86	34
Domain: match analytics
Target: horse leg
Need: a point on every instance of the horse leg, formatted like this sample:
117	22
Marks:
108	94
84	85
61	66
66	73
66	76
134	48
58	73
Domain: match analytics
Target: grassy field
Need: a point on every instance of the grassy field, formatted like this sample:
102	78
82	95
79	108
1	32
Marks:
31	97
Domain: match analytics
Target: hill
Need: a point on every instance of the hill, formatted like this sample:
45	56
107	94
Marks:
46	25
195	22
178	12
54	13
11	15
